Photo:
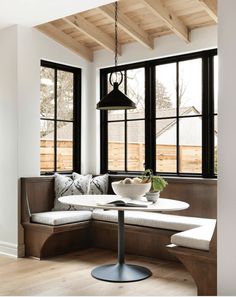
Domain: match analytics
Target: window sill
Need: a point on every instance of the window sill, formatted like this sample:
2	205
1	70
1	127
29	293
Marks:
194	180
177	179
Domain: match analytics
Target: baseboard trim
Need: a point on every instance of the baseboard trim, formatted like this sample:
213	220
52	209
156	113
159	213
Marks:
9	249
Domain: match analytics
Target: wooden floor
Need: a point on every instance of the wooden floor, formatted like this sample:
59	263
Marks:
70	275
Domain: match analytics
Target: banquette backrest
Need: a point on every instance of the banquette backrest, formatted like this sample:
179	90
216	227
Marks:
201	194
37	195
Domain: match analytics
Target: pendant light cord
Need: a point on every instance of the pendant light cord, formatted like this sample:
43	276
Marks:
116	51
116	37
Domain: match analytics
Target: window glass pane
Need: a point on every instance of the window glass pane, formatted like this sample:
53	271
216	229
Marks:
46	145
64	95
116	146
116	114
166	90
216	84
215	144
64	146
47	93
166	145
135	145
136	92
190	86
190	141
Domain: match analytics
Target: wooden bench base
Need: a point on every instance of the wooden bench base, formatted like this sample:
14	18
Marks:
201	265
139	240
43	241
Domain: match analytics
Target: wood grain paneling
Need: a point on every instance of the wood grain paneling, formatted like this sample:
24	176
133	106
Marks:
201	194
144	241
137	21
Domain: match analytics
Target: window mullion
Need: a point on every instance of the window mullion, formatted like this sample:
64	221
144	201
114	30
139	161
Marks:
207	122
150	139
126	136
103	127
211	114
177	119
55	120
76	121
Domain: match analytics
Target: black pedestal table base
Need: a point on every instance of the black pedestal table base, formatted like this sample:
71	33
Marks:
121	272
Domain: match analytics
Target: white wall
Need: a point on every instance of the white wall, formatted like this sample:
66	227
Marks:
20	54
201	39
8	140
32	47
227	145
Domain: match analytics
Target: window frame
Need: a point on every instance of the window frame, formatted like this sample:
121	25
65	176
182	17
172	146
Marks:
76	158
207	115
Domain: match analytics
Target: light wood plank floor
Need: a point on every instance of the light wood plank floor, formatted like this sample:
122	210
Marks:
70	275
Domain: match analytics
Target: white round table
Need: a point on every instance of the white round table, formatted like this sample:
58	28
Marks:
121	272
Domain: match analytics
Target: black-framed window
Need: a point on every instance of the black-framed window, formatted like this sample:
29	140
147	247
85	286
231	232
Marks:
60	118
173	130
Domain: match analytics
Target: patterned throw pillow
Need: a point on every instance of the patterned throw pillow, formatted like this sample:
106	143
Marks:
98	184
65	186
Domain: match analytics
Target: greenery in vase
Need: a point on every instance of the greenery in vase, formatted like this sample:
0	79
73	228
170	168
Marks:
158	183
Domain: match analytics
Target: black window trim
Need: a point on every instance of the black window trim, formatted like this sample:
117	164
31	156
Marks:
77	85
207	115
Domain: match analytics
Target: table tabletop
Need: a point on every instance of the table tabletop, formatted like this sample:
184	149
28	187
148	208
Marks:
95	201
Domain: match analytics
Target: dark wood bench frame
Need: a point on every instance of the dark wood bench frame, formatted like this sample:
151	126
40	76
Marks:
43	241
202	265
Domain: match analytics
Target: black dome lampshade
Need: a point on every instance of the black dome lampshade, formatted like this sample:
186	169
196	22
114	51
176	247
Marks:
115	100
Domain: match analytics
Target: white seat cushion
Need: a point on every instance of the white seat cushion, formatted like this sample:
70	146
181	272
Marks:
197	238
150	219
61	217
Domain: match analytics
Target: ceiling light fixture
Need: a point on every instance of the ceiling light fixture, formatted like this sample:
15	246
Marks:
116	100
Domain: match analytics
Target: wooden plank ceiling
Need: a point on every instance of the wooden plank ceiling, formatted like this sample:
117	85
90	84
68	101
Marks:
138	21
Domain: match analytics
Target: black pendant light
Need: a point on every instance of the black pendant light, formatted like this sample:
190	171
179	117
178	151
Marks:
115	99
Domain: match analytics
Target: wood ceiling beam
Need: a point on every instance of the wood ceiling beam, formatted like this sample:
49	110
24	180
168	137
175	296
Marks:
80	23
67	41
158	8
132	29
210	6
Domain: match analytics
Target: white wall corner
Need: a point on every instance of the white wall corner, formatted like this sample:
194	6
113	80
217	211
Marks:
226	203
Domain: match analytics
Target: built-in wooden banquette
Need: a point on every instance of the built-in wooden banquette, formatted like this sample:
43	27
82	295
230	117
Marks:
42	241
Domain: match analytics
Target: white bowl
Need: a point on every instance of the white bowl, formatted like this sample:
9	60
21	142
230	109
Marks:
133	191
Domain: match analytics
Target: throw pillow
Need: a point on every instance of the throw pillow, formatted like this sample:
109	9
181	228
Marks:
98	184
65	186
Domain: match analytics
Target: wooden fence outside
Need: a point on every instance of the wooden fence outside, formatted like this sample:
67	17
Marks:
190	157
64	155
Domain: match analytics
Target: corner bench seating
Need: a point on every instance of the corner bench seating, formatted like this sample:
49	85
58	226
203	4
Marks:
196	249
50	233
